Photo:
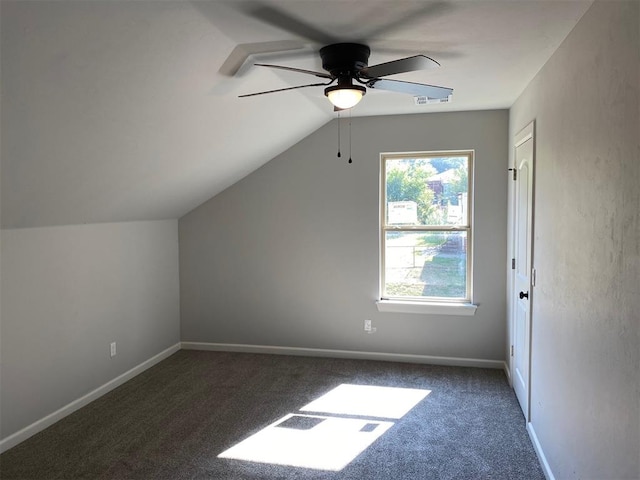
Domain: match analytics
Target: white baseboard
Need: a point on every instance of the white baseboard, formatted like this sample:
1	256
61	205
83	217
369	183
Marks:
353	354
507	372
39	425
539	452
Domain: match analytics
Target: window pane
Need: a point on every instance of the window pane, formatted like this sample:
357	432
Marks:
427	191
426	264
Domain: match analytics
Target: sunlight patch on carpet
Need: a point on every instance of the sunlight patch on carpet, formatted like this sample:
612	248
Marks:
328	442
368	401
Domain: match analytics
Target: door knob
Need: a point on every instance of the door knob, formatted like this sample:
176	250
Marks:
524	295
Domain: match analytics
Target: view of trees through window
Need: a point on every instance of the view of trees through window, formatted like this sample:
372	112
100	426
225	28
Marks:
426	226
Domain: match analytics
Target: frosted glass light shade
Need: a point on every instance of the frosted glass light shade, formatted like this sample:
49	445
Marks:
345	97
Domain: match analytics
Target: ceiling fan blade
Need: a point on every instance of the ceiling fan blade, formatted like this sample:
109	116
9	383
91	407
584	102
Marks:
299	70
398	48
286	22
429	9
415	89
409	64
241	52
284	89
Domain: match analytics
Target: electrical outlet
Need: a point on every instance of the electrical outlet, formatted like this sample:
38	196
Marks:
113	349
367	325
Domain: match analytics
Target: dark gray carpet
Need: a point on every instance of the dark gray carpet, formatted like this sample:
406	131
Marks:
173	420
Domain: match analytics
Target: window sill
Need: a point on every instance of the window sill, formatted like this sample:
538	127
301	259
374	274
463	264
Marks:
396	306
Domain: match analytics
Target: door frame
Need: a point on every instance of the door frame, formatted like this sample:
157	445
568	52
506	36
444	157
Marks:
525	134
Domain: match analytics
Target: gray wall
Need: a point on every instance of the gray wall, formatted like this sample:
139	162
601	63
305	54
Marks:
67	292
289	255
585	390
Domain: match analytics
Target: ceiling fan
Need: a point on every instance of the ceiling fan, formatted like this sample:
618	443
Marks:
346	63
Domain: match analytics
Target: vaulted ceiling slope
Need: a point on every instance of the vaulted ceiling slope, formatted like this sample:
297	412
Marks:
118	111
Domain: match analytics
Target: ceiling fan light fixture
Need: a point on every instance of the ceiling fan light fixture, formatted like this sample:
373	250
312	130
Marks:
345	96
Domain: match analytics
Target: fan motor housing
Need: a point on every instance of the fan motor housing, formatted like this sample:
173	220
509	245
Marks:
342	59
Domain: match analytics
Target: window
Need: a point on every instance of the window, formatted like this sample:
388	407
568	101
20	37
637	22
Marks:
426	232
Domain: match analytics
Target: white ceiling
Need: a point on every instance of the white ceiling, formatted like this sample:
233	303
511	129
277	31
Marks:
117	111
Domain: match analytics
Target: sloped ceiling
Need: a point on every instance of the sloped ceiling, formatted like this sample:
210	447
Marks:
117	110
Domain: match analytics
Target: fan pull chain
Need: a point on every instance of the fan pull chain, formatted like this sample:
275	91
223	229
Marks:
350	160
339	154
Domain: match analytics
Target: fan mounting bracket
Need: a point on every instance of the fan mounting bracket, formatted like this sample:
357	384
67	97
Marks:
345	59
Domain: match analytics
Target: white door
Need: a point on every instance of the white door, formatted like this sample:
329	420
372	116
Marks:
522	293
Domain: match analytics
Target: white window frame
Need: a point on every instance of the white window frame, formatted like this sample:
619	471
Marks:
428	305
